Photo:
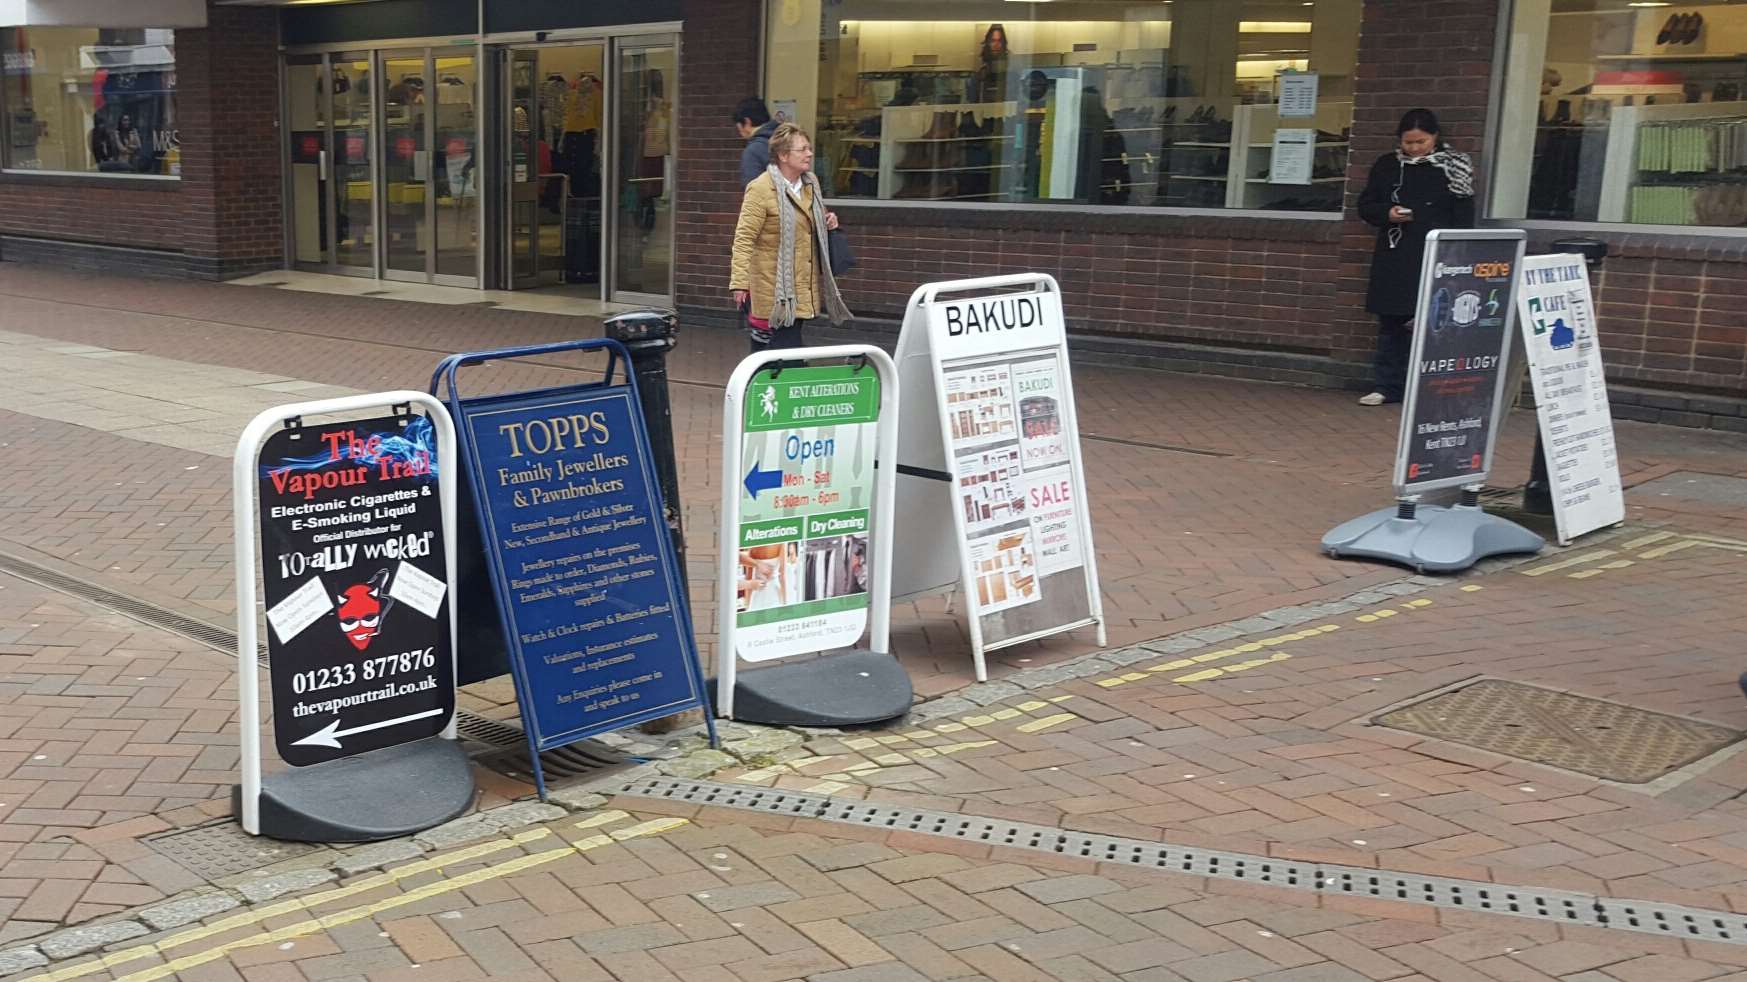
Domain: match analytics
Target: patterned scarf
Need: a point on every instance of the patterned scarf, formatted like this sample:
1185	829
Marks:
1458	168
782	312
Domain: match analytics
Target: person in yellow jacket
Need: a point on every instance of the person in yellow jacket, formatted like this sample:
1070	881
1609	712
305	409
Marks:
780	274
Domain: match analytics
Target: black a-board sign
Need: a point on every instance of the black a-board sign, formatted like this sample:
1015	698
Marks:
1462	339
353	566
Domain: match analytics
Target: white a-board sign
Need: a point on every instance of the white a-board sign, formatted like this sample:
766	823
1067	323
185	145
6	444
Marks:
991	485
1557	315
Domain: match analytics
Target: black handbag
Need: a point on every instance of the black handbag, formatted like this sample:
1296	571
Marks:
842	257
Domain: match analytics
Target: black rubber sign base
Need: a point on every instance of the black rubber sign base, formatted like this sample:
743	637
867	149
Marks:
849	688
381	794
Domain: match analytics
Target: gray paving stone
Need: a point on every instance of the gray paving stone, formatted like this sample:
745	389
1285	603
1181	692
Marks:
1321	972
898	920
187	910
280	884
854	854
883	972
79	940
20	959
1061	889
1228	966
700	764
465	829
637	937
524	813
578	799
749	895
372	856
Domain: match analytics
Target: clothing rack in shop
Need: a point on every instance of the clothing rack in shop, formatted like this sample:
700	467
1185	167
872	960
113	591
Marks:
1655	150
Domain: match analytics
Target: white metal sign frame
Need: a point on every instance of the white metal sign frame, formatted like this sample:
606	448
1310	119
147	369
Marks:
245	531
883	514
929	464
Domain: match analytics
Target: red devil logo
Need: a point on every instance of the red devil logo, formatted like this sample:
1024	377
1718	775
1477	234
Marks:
362	608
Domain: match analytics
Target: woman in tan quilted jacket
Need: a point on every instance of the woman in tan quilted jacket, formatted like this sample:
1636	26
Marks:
780	276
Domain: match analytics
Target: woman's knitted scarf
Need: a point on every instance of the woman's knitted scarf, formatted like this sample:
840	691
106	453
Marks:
782	312
1458	168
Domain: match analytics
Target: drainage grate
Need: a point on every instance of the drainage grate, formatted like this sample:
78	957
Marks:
503	750
1548	905
222	849
1590	736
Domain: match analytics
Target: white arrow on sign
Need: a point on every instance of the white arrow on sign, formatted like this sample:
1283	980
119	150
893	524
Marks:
329	735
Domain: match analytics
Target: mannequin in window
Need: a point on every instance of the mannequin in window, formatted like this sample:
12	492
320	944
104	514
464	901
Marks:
991	78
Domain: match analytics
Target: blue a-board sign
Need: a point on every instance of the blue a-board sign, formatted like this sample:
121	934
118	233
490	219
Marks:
580	560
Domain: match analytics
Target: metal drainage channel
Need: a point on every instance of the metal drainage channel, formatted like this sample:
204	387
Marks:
501	746
1436	891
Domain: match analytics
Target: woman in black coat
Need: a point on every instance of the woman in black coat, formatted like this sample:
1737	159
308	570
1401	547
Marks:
1421	186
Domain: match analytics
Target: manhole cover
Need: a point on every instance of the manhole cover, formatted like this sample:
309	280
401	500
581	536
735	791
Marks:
1589	736
1713	489
224	849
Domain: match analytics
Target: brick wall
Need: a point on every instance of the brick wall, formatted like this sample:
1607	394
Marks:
223	218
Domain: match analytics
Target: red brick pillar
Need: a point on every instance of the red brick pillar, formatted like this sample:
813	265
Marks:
1435	54
227	104
718	67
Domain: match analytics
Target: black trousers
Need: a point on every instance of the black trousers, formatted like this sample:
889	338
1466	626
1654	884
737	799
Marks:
1394	347
782	337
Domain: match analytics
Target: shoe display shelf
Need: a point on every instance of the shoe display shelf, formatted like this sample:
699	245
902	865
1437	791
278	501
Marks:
946	153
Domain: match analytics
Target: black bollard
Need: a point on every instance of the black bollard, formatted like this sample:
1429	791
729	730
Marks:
649	335
1538	493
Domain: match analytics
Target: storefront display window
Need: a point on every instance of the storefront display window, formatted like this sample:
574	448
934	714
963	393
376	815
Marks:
1180	103
89	100
1636	110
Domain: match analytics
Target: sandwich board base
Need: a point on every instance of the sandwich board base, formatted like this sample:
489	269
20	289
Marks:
1430	538
851	687
381	794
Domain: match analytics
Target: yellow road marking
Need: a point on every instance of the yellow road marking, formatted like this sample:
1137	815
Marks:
861	743
859	766
917	734
1604	567
892	760
894	738
1661	551
1471	588
1422	602
1366	618
1214	673
1386	612
252	917
924	752
1060	698
341	918
1032	705
954	748
1642	541
1039	725
654	826
950	727
1566	563
827	787
604	818
1005	713
978	720
1326	628
1111	683
1724	545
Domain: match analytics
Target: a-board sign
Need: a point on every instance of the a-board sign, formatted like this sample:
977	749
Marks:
354	571
806	509
1462	337
598	631
1557	316
989	434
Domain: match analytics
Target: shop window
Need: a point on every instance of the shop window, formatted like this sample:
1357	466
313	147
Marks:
1180	103
89	100
1638	112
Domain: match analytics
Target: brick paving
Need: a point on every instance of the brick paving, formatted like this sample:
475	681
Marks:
110	731
760	899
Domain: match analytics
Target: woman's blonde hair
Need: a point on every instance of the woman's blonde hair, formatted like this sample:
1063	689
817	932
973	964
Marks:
783	139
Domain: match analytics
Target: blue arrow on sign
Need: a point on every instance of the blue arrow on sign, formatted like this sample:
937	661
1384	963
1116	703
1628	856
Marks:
761	480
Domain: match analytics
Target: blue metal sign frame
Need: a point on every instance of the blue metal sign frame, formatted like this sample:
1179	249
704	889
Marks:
619	398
